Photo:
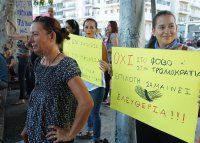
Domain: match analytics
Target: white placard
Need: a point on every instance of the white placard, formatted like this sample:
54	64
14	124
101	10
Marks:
23	16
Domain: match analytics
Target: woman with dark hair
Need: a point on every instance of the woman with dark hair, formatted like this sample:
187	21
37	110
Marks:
60	103
10	63
112	41
97	92
164	30
72	26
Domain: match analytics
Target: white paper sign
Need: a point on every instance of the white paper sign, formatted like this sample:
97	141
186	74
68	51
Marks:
24	16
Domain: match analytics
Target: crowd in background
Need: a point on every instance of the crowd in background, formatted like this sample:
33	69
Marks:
34	73
21	64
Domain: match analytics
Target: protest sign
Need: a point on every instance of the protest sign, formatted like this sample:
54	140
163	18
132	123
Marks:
158	87
87	52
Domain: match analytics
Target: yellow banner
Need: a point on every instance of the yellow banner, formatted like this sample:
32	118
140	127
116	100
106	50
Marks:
158	87
87	52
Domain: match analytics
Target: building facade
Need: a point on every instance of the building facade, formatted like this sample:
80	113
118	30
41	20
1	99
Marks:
105	10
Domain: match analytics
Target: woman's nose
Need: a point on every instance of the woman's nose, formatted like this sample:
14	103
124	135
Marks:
30	40
88	30
167	30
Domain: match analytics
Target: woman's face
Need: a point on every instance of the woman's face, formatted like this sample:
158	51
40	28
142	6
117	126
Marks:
165	30
109	28
69	28
40	38
90	29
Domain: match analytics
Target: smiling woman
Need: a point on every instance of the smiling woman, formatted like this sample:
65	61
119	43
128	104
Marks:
59	89
165	31
97	92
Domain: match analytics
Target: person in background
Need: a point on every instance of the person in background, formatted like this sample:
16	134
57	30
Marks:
112	41
23	56
10	63
97	92
72	26
51	12
165	31
60	103
33	58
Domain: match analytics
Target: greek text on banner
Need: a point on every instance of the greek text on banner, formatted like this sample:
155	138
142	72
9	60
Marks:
87	52
158	87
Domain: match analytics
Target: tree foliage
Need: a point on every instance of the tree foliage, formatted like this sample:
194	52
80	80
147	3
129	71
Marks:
42	2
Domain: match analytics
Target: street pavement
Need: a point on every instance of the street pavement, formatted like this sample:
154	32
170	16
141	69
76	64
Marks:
15	118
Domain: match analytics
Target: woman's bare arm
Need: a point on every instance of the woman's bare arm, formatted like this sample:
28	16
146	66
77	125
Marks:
115	42
104	53
85	104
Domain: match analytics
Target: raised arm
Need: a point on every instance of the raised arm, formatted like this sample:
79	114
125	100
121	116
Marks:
8	22
14	36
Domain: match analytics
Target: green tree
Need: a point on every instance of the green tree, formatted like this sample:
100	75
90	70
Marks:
42	2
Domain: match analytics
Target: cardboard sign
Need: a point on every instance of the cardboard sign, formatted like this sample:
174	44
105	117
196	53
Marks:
158	87
87	52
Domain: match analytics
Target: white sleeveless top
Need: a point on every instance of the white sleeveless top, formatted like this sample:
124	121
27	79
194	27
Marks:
90	86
